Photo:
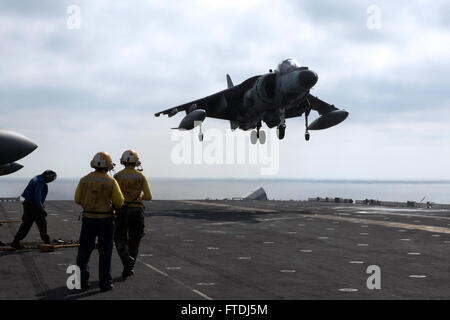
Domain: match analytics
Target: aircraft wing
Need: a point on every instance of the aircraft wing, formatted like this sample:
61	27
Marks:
220	105
320	106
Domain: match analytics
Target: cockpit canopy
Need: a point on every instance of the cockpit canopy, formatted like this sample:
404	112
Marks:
288	65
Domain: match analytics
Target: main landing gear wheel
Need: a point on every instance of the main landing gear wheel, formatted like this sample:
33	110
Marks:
307	136
257	134
262	137
254	137
281	130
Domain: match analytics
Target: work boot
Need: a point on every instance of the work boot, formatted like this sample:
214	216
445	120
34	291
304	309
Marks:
16	244
128	268
106	288
46	239
127	272
85	285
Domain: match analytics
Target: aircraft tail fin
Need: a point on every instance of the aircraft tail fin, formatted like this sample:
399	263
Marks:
229	81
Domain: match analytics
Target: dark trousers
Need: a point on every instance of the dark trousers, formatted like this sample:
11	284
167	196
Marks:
30	215
104	230
129	232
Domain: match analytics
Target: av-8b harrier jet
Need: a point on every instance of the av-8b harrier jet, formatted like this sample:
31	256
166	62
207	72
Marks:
270	98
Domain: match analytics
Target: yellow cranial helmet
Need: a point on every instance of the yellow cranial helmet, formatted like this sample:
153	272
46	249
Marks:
102	160
130	157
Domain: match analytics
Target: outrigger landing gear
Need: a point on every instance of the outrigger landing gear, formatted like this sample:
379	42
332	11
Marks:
307	111
306	125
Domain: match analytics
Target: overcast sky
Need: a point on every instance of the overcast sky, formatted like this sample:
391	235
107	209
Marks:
78	91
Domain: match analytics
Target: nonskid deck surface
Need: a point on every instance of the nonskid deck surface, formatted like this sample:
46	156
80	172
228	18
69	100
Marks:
198	249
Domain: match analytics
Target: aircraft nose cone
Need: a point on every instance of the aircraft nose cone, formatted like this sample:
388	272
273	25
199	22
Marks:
14	146
307	79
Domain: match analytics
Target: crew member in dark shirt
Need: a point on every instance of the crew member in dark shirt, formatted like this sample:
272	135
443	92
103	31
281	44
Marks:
33	207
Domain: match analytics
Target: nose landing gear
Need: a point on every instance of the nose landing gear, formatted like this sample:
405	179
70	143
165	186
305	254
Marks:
200	134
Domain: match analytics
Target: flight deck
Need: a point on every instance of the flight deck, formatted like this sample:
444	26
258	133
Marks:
215	250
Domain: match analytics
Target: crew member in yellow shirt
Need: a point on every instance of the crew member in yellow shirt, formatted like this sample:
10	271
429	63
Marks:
98	194
130	217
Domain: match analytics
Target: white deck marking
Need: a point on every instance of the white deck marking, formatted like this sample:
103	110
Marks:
386	223
269	242
414	253
221	223
306	250
348	290
288	271
417	276
356	262
201	294
405	239
405	212
362	245
244	258
384	211
212	248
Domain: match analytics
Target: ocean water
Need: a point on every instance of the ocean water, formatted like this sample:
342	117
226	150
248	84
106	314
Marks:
176	189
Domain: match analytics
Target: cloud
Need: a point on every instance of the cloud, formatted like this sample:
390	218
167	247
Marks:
75	92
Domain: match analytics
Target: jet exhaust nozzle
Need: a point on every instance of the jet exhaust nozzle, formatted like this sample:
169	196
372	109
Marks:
14	146
308	79
328	120
192	119
10	168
